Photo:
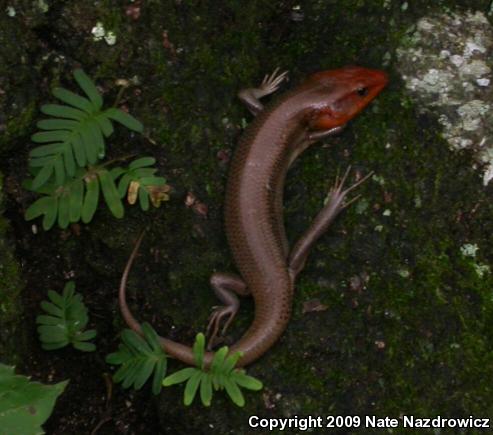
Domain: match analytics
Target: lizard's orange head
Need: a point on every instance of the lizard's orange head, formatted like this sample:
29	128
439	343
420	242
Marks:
343	93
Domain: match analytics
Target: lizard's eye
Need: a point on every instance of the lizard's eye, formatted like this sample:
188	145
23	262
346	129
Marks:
362	92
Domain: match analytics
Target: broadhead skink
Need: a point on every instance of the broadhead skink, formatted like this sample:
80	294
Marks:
319	107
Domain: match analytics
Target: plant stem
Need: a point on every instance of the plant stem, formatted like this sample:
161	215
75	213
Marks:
119	95
117	159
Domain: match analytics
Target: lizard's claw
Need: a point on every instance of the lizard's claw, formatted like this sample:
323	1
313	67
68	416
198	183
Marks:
220	313
271	83
337	195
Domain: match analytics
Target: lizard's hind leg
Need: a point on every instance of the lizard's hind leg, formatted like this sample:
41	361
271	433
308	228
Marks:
226	287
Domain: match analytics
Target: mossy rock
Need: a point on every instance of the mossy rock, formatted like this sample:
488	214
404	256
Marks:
404	326
12	331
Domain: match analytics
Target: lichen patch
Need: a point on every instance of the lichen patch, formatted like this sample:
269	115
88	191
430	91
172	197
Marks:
445	62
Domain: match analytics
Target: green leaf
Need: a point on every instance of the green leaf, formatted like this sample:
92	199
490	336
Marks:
52	309
74	100
86	335
245	381
50	136
84	347
143	161
234	392
119	357
55	346
123	185
206	389
43	175
38	208
122	371
217	382
51	212
47	188
51	152
47	320
90	200
76	200
144	373
221	370
98	138
159	373
89	88
47	150
69	290
63	111
59	170
104	124
57	124
116	172
151	336
230	362
131	373
56	298
143	199
144	172
135	341
199	350
218	359
79	151
66	322
89	143
191	387
69	161
152	181
40	161
63	211
110	194
138	358
179	376
52	334
25	405
125	119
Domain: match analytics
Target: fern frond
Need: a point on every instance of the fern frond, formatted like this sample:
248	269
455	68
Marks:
65	320
221	375
75	135
138	358
76	199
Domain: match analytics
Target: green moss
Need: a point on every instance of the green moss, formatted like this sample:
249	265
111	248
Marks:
18	126
408	334
17	108
12	335
416	337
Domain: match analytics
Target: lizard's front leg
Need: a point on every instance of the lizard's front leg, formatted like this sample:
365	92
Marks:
251	96
324	218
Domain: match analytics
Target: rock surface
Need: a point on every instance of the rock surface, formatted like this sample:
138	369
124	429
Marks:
446	62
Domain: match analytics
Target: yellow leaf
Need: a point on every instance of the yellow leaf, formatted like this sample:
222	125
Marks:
158	194
133	190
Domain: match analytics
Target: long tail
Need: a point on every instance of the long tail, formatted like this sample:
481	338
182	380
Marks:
172	348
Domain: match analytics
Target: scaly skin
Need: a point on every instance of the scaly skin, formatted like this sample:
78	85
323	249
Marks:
318	108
